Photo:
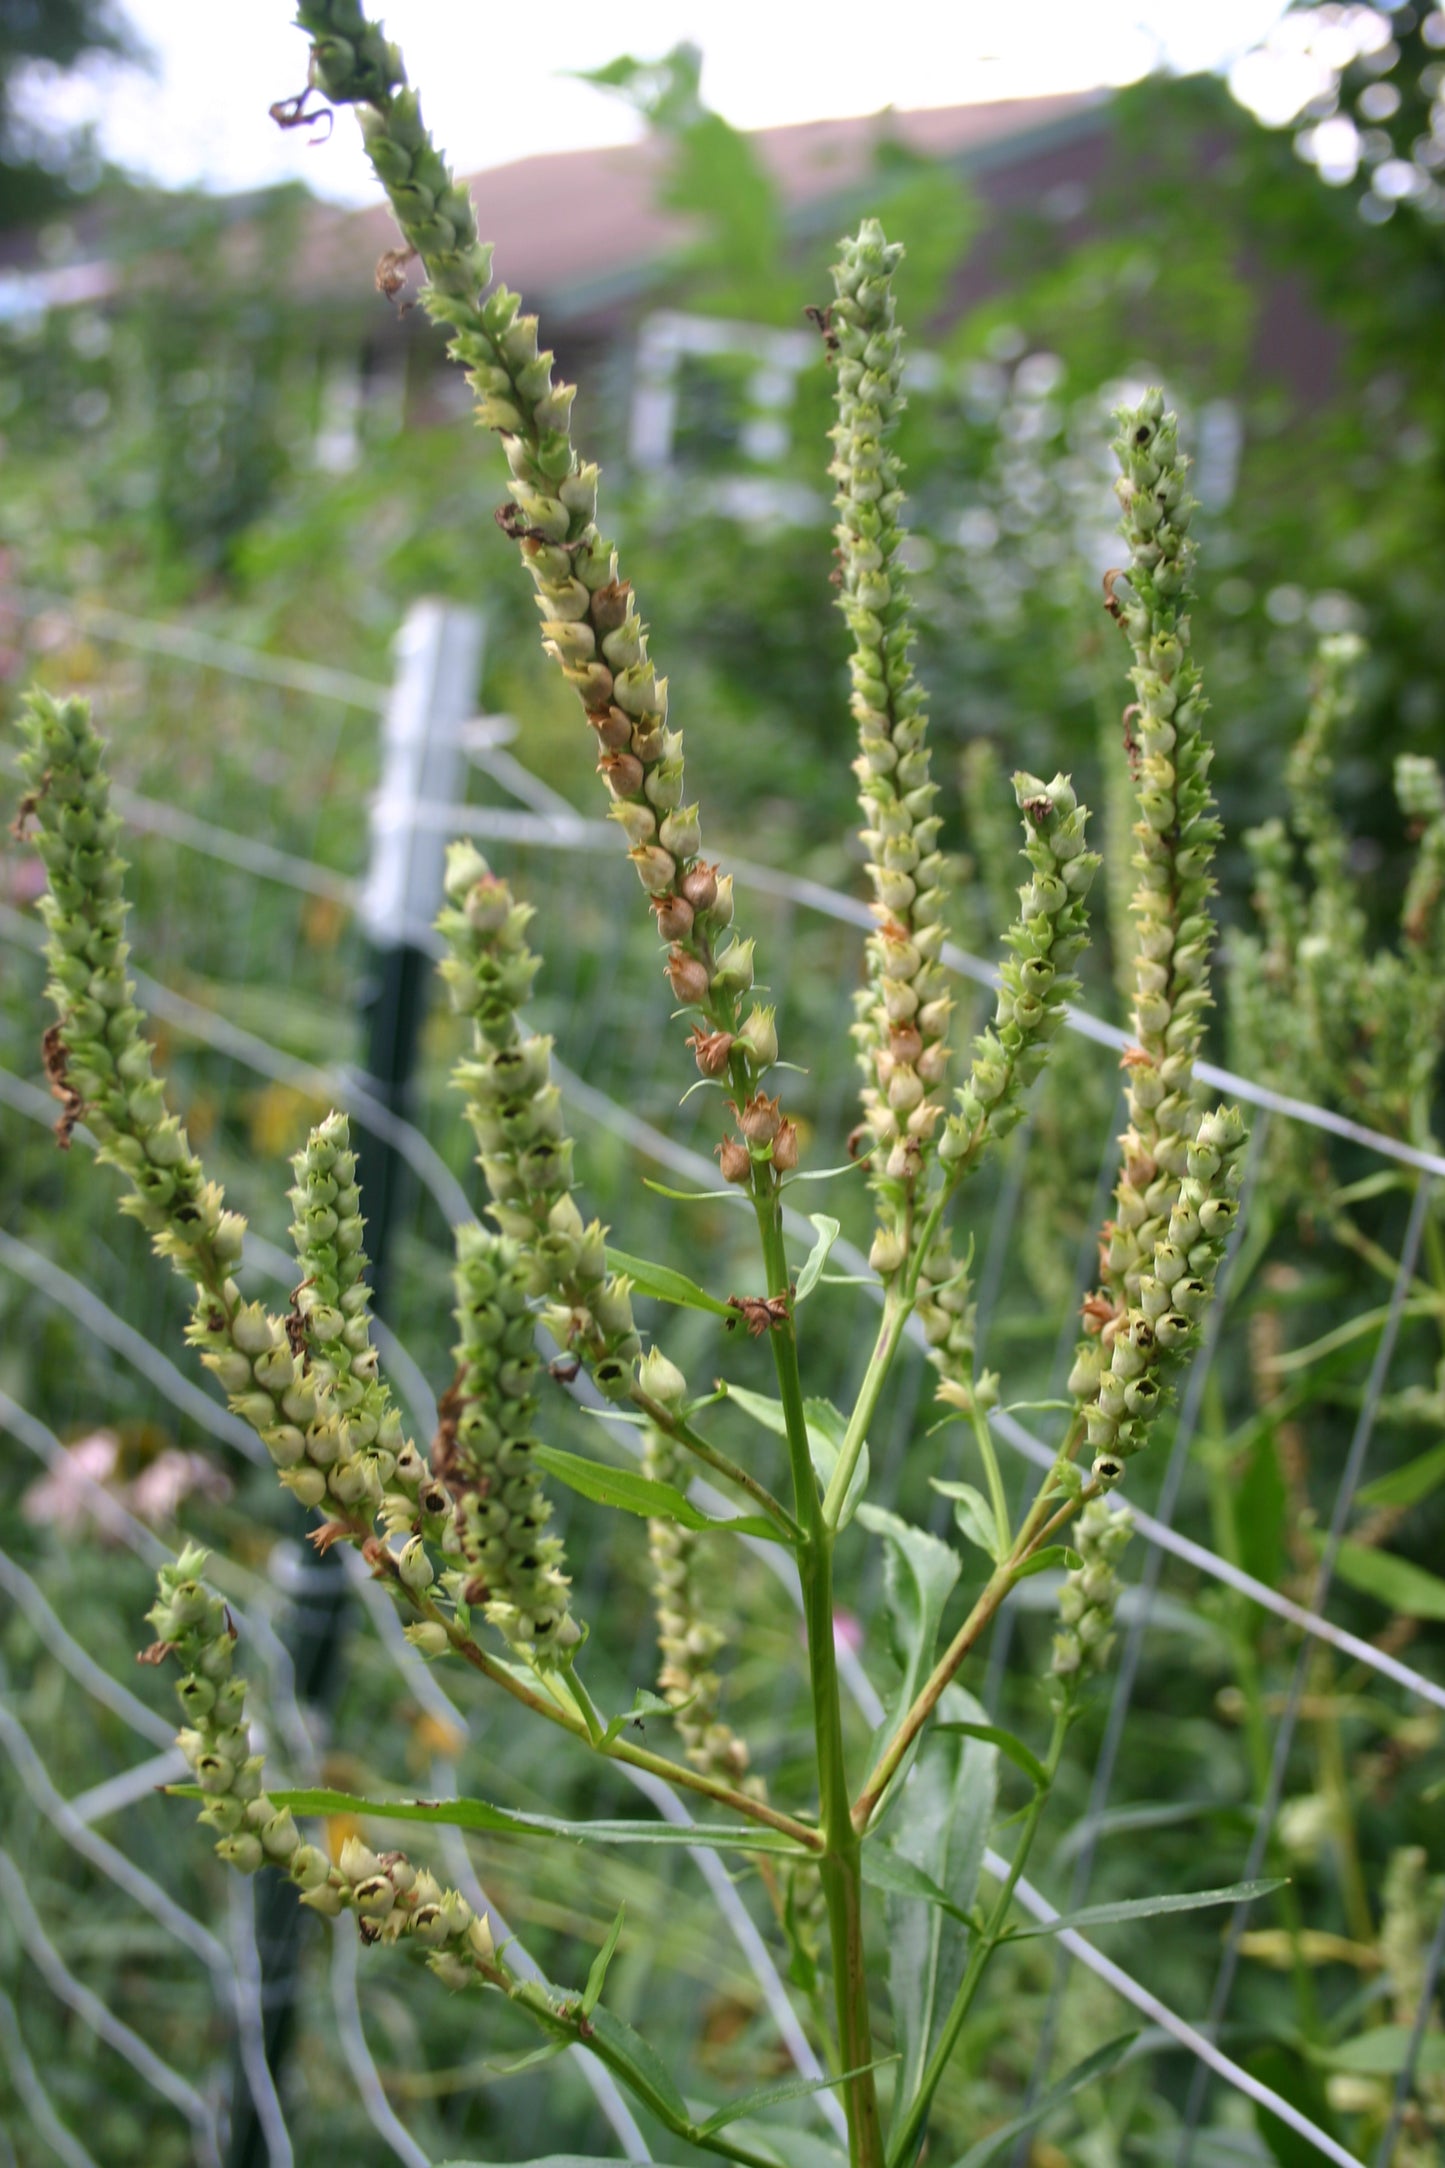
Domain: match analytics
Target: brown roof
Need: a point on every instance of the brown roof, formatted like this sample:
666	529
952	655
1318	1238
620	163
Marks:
572	223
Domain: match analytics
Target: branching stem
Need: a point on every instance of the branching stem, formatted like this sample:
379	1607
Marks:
841	1862
1032	1536
674	1426
624	1750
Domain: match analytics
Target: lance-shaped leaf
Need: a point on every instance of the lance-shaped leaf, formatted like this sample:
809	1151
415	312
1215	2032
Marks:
940	1826
643	1495
1148	1908
919	1574
826	1430
998	2145
771	2096
663	1283
480	1814
1008	1742
597	1975
828	1231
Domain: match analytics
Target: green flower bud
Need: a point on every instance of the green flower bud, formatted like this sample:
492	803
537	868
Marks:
661	1380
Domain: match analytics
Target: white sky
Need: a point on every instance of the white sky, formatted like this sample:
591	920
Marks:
495	86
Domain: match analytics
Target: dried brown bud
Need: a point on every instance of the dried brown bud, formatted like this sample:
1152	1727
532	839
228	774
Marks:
759	1118
734	1160
699	885
711	1050
613	728
674	917
609	605
905	1042
1097	1311
623	774
785	1147
687	975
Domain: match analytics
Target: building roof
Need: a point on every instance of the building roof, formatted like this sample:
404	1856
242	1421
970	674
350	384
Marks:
575	228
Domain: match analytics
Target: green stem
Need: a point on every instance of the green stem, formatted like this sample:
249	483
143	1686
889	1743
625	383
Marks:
910	2131
562	2017
658	1765
596	1729
984	1438
897	1308
673	1426
1041	1523
841	1863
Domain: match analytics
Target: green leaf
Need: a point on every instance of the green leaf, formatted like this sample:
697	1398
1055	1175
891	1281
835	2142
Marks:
974	1515
1261	1503
827	1174
828	1233
550	2160
1354	1329
479	1814
941	1823
692	1196
1000	2142
641	1494
1148	1908
662	1282
1292	2078
762	1410
597	1975
826	1429
919	1574
1384	2052
627	2053
1120	1821
514	2064
644	1703
1053	1554
887	1870
1022	1756
1395	1582
1408	1485
768	2096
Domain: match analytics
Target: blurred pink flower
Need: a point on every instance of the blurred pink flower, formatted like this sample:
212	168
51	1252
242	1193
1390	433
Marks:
74	1494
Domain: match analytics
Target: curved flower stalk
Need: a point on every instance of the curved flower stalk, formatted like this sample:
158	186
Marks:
948	1314
590	622
392	1900
1174	835
686	1640
515	1109
354	1449
1036	981
484	1454
1091	1591
1118	1379
330	1452
903	1013
1330	964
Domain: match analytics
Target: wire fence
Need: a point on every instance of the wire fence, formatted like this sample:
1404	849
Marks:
253	987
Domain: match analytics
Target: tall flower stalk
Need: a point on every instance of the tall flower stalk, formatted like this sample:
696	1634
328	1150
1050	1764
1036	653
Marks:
464	1543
